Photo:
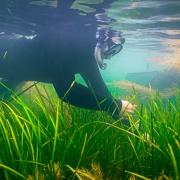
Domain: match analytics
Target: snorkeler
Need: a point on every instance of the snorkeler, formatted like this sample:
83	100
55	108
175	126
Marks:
57	56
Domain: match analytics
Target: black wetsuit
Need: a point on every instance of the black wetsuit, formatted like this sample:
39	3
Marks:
55	55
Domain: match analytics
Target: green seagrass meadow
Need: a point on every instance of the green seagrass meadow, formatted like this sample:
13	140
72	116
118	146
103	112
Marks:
43	138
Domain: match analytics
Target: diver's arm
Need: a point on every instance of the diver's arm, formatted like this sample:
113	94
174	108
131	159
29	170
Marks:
100	91
116	107
81	96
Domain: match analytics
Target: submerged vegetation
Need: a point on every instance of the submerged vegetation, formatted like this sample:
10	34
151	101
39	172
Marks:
43	138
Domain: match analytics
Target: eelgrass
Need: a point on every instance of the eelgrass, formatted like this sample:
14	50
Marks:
43	138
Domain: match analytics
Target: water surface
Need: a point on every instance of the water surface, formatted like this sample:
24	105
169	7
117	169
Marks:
151	28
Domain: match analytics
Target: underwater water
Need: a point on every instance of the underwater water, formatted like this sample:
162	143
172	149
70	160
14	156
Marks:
41	137
151	53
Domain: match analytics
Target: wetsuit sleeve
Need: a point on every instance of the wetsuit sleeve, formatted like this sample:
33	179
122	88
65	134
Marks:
95	96
98	88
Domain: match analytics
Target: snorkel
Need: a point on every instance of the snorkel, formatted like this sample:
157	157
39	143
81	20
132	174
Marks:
109	43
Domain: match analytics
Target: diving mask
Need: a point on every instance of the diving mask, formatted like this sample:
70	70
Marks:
109	44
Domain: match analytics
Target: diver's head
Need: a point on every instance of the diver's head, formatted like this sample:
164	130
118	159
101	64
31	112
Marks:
109	44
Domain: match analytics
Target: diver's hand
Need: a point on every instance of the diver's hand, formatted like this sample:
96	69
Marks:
127	108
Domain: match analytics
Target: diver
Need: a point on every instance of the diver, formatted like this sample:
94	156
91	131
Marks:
56	56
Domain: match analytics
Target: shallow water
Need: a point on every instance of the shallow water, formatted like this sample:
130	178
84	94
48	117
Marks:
152	32
152	49
151	53
42	137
